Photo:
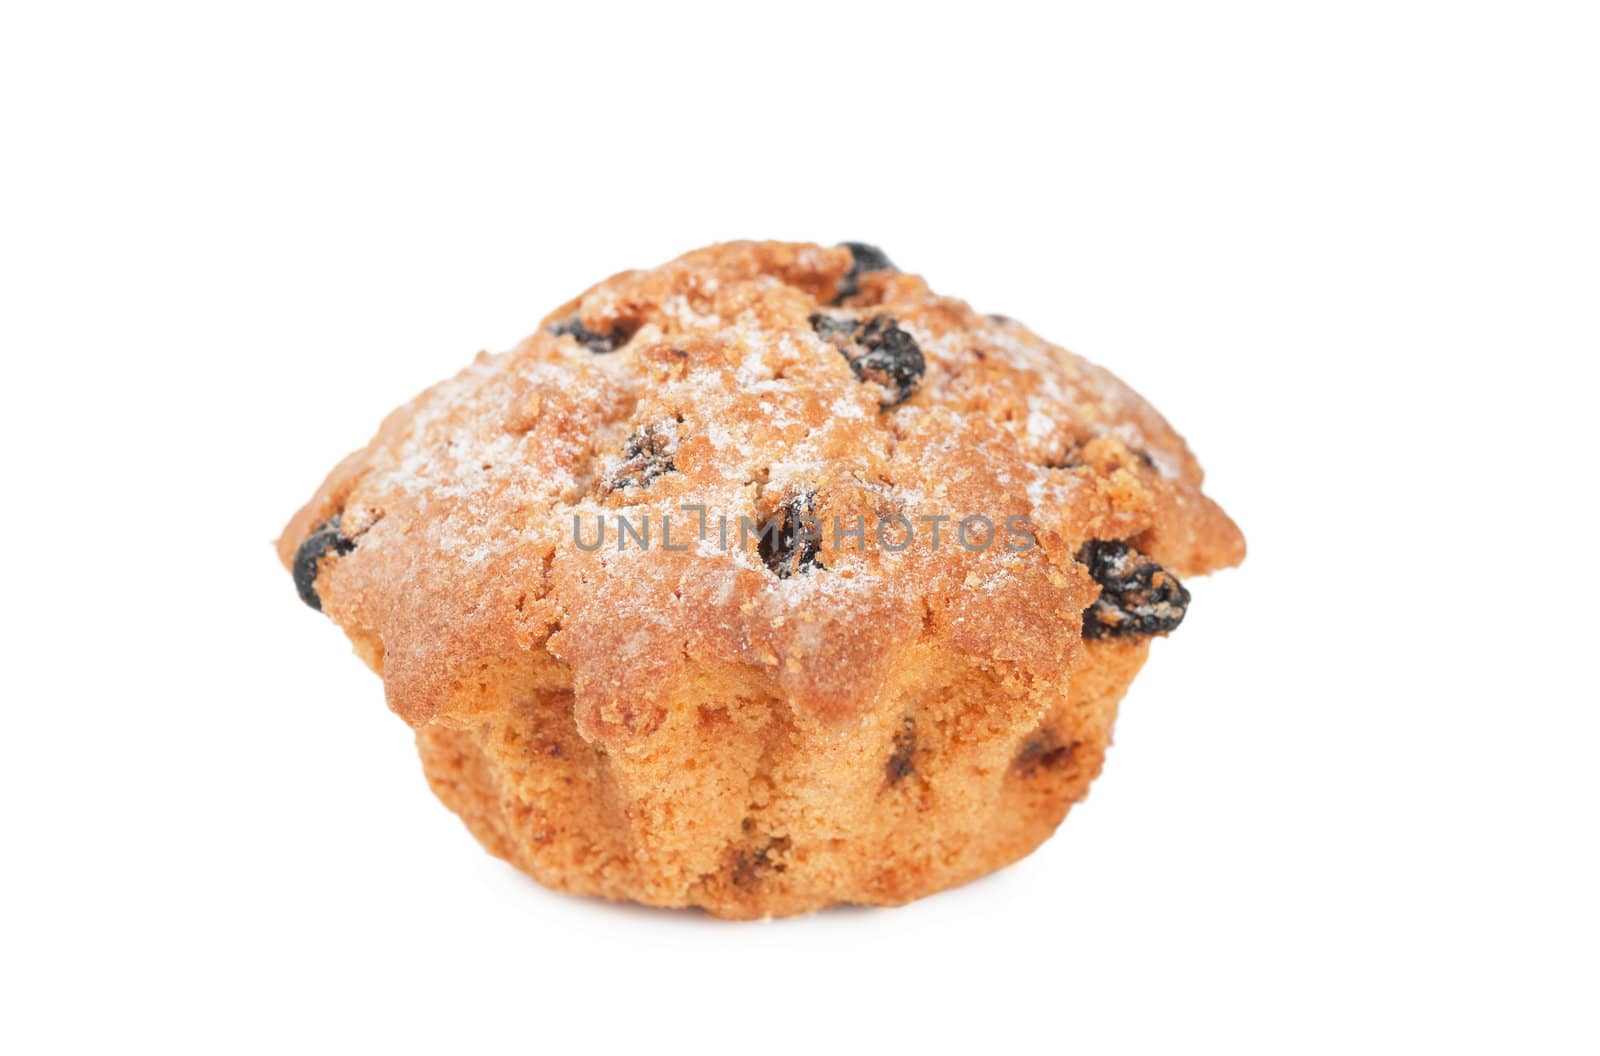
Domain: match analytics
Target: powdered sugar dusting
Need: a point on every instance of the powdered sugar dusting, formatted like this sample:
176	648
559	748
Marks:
713	390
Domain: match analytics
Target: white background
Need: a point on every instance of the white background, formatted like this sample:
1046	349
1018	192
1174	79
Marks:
1349	249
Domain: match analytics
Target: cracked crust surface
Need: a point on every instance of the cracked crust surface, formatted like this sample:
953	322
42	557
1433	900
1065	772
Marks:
756	729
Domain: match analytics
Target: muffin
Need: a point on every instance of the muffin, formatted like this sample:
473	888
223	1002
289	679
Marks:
761	581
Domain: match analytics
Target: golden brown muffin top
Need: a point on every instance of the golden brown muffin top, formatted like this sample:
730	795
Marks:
812	392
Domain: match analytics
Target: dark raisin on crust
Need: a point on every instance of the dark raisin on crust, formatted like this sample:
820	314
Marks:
323	538
749	866
646	455
791	540
863	258
1137	596
892	358
1043	751
837	330
877	350
900	763
596	343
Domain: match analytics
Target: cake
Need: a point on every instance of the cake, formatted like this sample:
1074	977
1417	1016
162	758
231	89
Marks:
761	581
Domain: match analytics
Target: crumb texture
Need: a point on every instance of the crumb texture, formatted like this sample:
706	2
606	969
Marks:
820	707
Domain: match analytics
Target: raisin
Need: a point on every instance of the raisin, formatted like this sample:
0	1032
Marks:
791	541
646	455
750	866
1137	596
322	539
900	763
892	359
596	343
863	258
835	329
877	350
1043	751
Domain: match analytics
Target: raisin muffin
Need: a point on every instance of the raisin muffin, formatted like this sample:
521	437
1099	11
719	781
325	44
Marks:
761	581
